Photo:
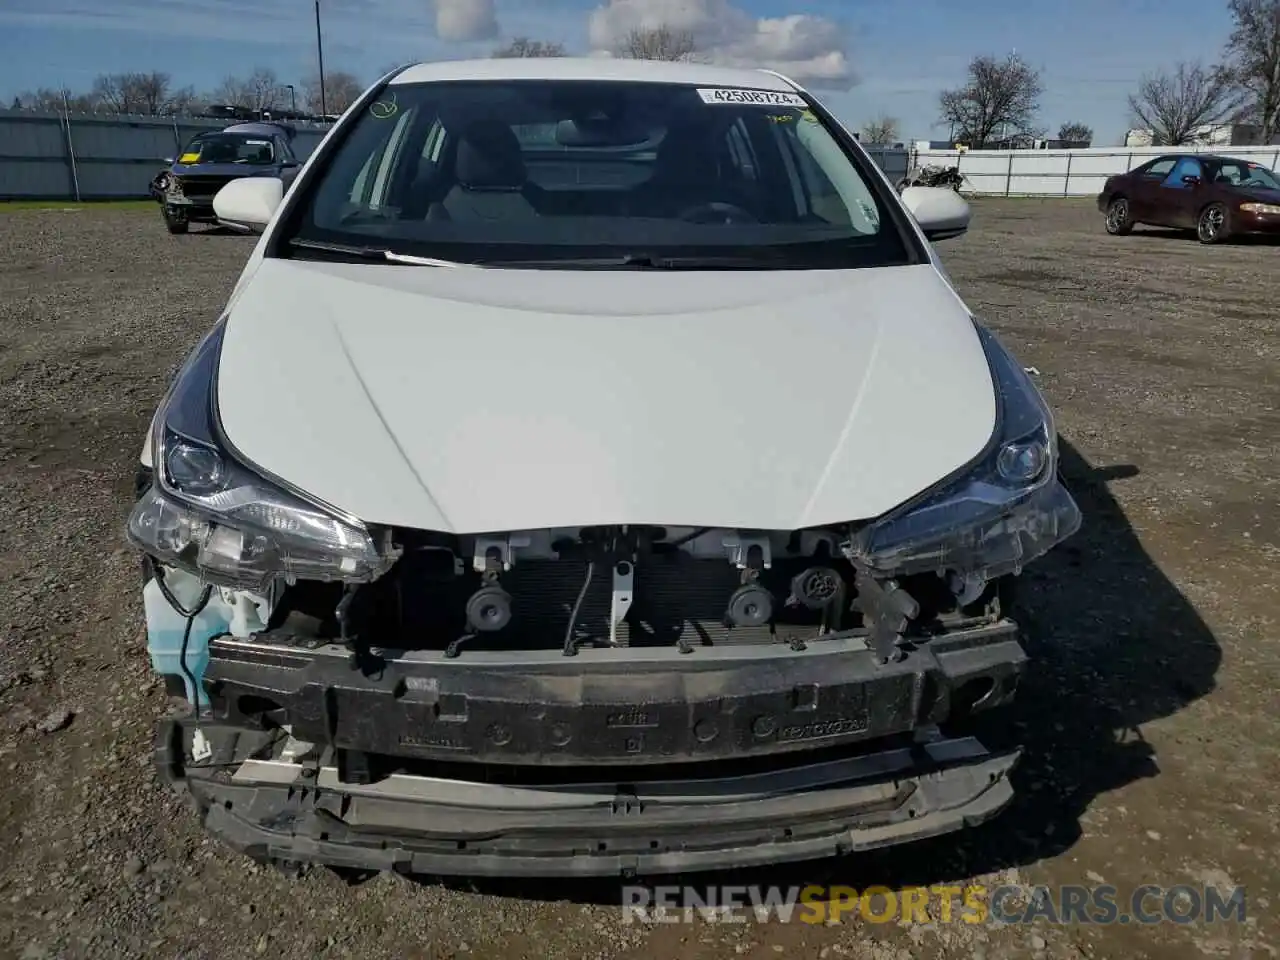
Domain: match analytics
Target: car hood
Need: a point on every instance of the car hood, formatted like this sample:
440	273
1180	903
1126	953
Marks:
222	170
477	400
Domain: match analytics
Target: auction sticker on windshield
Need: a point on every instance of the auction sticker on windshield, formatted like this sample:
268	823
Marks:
763	98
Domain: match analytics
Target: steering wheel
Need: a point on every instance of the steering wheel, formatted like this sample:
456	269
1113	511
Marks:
716	212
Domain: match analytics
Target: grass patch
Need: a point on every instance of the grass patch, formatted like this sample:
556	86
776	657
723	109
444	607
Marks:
6	205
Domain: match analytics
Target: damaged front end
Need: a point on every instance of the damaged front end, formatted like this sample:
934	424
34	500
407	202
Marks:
595	700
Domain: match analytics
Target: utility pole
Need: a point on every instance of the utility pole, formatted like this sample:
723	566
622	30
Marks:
324	109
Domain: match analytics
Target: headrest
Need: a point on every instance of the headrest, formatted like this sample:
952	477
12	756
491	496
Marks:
489	157
686	156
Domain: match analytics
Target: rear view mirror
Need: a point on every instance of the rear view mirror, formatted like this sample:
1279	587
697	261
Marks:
248	204
941	212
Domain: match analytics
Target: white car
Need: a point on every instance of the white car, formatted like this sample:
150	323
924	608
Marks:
593	472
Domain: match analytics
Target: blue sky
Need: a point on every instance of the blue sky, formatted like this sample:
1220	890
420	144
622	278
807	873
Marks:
902	54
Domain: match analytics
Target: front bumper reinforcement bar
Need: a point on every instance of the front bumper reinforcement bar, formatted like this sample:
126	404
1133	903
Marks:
290	812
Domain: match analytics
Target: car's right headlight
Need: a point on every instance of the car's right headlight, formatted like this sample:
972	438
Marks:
226	523
1000	513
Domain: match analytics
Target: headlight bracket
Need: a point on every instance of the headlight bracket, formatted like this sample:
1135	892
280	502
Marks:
887	609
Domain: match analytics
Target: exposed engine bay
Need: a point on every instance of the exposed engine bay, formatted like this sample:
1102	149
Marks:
473	710
648	586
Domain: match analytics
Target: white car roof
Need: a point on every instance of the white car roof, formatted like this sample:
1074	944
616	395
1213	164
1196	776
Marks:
594	68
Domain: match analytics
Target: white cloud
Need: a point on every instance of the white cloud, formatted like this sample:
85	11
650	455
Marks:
808	48
466	20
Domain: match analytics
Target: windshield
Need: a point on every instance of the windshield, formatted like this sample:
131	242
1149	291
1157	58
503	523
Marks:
229	148
559	171
1241	173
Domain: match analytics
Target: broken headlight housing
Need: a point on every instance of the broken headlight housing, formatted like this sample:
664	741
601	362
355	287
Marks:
228	524
1002	512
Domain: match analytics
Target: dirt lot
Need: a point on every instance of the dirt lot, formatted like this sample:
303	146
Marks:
1150	716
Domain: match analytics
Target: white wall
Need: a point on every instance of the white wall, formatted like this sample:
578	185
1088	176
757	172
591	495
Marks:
1065	173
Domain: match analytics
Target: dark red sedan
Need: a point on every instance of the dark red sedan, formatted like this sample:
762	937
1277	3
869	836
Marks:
1217	197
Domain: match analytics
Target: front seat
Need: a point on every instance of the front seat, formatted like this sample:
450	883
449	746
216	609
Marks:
490	180
687	174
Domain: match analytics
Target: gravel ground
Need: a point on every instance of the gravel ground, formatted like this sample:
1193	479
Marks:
1149	715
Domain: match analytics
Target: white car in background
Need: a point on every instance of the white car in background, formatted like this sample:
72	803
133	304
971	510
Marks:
592	472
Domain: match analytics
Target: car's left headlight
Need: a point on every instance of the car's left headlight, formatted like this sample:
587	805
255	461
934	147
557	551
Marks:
1000	513
226	523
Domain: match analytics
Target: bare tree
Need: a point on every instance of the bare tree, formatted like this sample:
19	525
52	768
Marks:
115	93
1253	61
1173	105
880	131
184	102
150	94
110	90
1075	130
524	47
262	90
48	100
999	95
657	43
341	90
149	90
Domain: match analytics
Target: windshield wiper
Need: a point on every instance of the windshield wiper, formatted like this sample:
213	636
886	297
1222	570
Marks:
394	257
644	261
634	261
373	253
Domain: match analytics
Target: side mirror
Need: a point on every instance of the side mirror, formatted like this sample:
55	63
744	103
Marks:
289	164
1191	180
168	161
249	203
941	212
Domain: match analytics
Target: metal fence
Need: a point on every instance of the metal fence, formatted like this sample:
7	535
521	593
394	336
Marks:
47	156
894	161
1065	173
90	157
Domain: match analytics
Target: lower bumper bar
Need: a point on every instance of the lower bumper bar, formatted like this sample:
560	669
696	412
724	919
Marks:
285	811
612	707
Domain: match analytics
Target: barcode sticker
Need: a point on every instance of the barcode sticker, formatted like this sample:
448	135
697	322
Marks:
758	98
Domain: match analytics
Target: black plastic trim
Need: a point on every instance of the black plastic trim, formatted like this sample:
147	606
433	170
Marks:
296	822
608	707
